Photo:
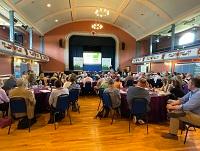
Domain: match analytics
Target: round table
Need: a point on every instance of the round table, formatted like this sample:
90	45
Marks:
158	112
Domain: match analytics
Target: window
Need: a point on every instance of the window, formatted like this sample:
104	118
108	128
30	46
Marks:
186	38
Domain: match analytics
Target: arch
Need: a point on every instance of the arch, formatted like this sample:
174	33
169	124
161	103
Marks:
66	50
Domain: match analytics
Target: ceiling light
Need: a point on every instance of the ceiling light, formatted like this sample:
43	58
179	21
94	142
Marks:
48	5
97	26
101	12
56	20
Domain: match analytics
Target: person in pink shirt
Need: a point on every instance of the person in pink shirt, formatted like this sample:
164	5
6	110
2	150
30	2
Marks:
4	100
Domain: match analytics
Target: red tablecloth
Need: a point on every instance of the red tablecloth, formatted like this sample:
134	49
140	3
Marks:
42	100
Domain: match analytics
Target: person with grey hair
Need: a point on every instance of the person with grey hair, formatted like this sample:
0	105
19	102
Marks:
4	100
21	91
114	94
10	83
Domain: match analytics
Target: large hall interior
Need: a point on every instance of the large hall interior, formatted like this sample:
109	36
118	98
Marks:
82	75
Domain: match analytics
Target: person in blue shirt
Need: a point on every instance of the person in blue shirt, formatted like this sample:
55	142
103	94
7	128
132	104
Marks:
190	104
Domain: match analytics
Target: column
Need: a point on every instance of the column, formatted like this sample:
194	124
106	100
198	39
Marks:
42	44
150	51
173	36
30	38
151	45
11	21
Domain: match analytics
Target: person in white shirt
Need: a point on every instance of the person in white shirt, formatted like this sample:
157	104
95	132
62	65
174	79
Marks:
87	79
54	96
67	83
4	100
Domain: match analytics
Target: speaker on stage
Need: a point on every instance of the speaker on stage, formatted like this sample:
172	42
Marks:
61	43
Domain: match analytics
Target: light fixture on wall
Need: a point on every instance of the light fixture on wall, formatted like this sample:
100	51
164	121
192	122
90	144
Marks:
101	12
97	26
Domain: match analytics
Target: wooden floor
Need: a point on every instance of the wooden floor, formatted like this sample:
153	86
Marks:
89	134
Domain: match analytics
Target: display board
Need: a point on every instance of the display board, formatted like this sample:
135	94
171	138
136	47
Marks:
78	63
106	63
185	68
90	58
35	67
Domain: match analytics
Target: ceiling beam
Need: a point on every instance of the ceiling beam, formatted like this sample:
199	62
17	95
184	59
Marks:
22	15
73	10
19	2
120	9
155	9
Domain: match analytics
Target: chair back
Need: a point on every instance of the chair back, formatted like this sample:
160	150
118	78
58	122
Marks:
106	100
129	83
139	106
52	82
18	105
101	92
159	83
185	88
73	95
88	86
62	103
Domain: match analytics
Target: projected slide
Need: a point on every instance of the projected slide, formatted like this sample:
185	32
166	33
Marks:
91	58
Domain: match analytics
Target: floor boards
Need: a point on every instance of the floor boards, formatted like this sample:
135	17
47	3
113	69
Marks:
89	134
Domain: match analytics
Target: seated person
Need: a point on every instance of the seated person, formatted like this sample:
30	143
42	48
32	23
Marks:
165	85
190	104
53	79
4	100
54	96
22	91
9	84
104	84
73	84
117	83
67	83
129	81
43	79
176	91
32	78
114	95
87	79
138	92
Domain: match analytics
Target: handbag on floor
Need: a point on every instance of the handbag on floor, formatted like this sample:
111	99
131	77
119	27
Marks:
5	122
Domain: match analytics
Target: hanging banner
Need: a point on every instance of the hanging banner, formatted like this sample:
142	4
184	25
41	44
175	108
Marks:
171	55
78	63
188	54
157	57
6	47
106	63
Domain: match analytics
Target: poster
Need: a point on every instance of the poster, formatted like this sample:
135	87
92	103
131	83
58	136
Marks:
106	63
78	63
35	67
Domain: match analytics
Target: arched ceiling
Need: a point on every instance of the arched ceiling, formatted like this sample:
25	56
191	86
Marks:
137	17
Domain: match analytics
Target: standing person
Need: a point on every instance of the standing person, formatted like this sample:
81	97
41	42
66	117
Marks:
138	92
189	104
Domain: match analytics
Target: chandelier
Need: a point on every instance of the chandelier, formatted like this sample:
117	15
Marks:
97	26
101	12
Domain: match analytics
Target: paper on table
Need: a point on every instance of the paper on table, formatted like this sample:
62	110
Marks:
45	91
